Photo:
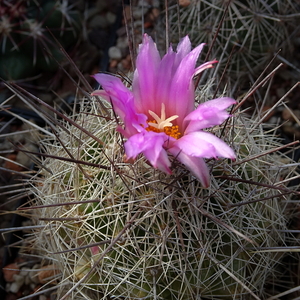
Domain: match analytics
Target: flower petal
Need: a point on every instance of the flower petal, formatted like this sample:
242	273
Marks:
118	94
122	102
183	49
204	144
164	79
102	94
182	94
196	165
208	114
144	80
204	66
151	145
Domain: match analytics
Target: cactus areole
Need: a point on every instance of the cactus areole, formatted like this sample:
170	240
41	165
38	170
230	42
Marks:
159	114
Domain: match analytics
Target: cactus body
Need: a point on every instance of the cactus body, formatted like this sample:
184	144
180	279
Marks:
127	231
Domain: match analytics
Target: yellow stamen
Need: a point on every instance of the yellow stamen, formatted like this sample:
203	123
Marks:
172	131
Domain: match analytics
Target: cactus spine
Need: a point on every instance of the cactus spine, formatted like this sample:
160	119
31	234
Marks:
253	30
123	230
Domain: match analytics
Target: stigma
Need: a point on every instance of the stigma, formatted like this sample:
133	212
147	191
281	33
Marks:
161	124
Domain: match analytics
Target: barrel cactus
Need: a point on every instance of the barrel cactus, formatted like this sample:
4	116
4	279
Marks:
114	226
124	230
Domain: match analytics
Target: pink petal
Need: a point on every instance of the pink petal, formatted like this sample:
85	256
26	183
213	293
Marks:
182	95
204	66
101	93
204	144
145	76
164	79
208	114
151	145
122	102
183	49
115	90
196	165
220	103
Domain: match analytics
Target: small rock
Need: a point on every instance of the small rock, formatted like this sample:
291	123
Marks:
99	21
114	53
155	3
23	158
154	14
113	63
5	145
121	32
143	3
90	12
32	286
138	12
10	165
297	114
15	286
47	273
122	43
126	63
288	128
286	114
280	92
184	3
138	23
19	278
27	280
274	120
148	24
33	274
9	271
101	5
111	18
33	135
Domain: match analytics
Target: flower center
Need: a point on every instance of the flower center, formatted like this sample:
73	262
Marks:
161	124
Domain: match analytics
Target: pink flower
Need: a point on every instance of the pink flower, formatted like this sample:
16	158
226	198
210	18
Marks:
159	113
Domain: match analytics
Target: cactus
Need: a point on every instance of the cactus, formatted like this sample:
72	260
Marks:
122	230
27	46
253	30
127	231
